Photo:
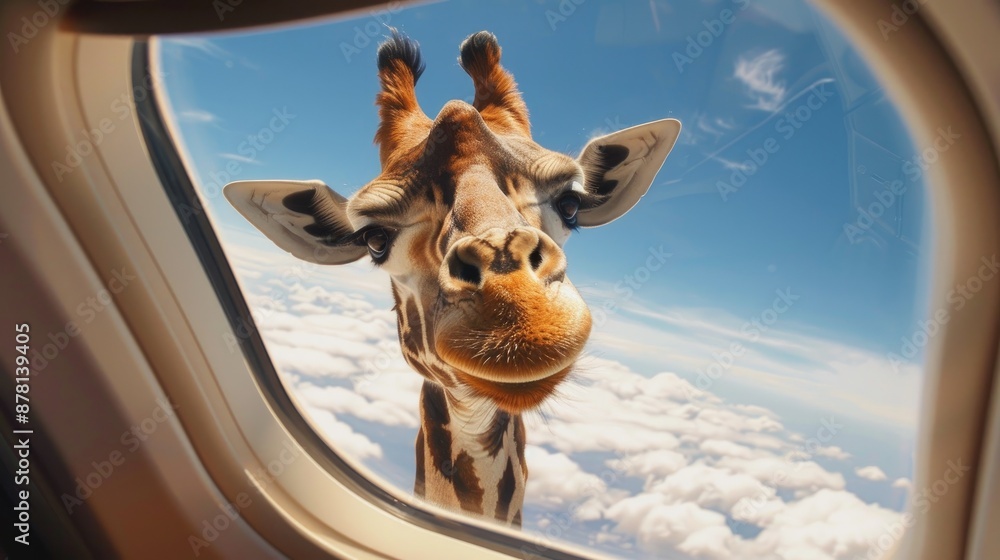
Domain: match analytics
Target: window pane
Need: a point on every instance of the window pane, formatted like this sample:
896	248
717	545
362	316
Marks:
751	382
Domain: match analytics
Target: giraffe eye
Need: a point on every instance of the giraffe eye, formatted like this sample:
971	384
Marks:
378	242
568	206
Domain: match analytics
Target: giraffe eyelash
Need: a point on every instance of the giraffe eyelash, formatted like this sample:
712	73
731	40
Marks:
568	205
363	238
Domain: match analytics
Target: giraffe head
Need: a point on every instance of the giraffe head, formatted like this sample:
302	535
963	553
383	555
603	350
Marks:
468	216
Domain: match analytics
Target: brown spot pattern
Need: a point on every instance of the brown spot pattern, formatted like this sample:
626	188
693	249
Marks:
420	482
436	419
505	491
412	338
466	482
434	169
492	438
519	441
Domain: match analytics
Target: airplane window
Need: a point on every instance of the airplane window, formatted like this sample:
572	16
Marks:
751	381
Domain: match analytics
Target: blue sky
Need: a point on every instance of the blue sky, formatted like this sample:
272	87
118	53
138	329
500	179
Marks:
783	228
745	79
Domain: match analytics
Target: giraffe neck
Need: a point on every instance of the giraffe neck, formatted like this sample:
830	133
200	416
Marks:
469	454
470	458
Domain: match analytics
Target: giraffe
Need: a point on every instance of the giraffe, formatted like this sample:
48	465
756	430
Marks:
468	216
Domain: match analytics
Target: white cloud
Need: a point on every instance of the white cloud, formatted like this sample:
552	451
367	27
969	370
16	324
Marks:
705	127
197	115
239	158
716	127
388	411
310	362
827	524
744	166
870	473
904	483
723	448
709	486
655	416
699	458
714	542
204	45
759	510
789	361
638	413
342	437
760	75
211	49
557	482
802	476
649	465
330	343
833	452
660	525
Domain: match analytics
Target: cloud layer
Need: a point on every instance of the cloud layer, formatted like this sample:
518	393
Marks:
782	358
631	463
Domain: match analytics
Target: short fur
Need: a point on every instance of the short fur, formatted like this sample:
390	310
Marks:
468	216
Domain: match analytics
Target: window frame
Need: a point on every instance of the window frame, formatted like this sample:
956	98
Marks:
933	84
172	329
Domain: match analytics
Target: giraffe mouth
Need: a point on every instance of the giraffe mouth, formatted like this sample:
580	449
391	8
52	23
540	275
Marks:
516	398
516	339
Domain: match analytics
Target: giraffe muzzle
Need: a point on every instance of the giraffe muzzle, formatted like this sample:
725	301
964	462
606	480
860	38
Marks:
520	325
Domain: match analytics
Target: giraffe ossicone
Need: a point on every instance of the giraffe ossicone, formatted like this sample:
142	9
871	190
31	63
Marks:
468	216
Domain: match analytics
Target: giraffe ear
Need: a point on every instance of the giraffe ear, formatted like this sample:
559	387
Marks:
305	218
620	167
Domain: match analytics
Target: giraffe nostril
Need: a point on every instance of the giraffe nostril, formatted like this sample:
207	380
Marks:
535	258
464	271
